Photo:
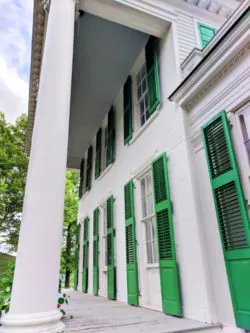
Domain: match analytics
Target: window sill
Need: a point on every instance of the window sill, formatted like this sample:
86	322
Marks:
104	172
151	266
84	196
137	134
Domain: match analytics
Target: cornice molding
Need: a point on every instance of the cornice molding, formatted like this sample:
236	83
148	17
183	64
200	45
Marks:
217	7
211	108
231	48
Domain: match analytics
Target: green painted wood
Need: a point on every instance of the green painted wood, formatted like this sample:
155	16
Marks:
111	137
206	34
89	168
85	255
153	80
169	277
127	111
77	251
131	255
232	215
81	178
98	154
111	274
96	252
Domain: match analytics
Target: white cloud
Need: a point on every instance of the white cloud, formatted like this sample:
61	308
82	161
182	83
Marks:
15	48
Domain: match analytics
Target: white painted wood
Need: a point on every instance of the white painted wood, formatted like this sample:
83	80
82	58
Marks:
35	287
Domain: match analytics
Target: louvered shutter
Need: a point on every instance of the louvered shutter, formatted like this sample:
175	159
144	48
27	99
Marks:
89	169
85	255
231	213
169	278
98	154
81	178
153	80
127	111
206	34
77	257
111	137
131	257
111	274
96	252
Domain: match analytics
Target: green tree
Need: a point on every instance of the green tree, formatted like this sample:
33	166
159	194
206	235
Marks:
13	170
69	226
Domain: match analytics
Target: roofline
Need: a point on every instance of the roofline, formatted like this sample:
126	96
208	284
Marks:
216	41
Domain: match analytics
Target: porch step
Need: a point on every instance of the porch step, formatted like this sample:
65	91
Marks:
98	314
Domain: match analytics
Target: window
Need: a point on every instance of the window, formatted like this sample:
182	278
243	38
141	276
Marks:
244	118
89	169
98	154
81	183
241	141
206	34
142	96
141	93
105	147
148	218
104	235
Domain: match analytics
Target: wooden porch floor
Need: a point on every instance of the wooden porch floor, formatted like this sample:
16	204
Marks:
98	314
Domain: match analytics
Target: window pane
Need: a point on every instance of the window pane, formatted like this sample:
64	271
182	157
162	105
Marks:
144	85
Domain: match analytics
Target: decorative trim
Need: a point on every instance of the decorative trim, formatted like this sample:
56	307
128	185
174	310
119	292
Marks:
235	46
217	7
210	109
45	4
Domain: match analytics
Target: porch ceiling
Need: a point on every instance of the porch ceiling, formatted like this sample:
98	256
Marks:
104	53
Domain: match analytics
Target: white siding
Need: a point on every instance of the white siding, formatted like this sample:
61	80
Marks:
186	34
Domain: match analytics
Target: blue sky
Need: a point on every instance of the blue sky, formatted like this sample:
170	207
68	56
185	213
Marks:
15	49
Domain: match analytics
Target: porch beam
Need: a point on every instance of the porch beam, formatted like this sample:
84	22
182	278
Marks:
35	288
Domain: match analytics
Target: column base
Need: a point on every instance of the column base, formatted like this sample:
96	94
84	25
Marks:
48	322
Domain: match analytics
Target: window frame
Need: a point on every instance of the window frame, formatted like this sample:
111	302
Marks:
240	150
149	219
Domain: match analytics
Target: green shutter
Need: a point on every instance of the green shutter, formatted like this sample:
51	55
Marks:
89	169
98	154
231	213
85	255
96	252
81	178
131	257
77	256
153	81
111	276
127	111
111	137
169	278
206	34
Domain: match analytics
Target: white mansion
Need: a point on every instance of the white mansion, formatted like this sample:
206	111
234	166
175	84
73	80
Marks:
150	101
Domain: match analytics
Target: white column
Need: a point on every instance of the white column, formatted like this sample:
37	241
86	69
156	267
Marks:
35	289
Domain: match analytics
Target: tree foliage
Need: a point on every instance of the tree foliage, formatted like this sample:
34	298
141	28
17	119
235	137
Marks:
69	225
13	169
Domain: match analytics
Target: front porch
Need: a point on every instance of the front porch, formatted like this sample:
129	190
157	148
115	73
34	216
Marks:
98	314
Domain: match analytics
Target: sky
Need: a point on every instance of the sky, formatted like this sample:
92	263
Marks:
15	53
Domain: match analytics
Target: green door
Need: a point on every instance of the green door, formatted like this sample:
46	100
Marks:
77	256
231	213
85	255
96	252
111	279
170	291
131	257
